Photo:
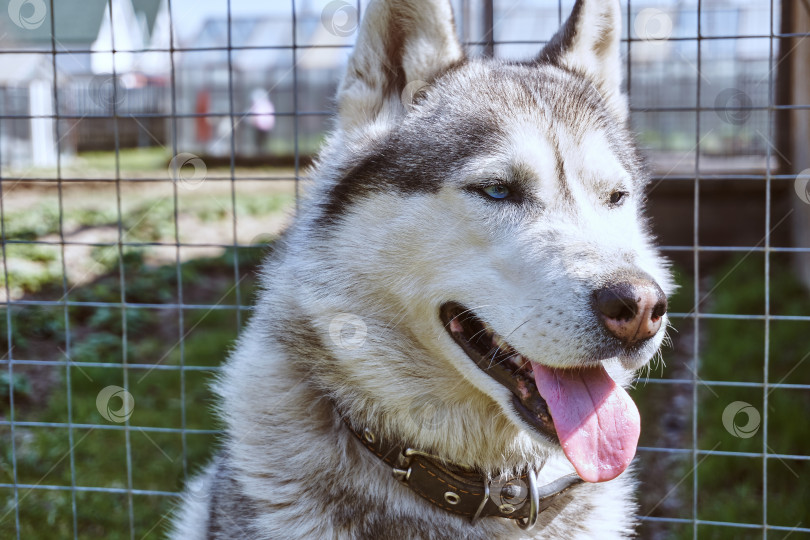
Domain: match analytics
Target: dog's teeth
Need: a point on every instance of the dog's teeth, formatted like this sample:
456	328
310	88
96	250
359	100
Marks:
523	389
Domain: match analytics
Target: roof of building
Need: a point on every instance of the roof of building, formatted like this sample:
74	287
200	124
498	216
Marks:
265	42
75	23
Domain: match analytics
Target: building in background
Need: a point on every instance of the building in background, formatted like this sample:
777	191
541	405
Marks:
733	70
88	94
217	68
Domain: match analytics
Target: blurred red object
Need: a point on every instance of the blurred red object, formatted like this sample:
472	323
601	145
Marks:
204	129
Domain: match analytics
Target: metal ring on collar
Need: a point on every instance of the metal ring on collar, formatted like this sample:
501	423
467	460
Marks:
534	503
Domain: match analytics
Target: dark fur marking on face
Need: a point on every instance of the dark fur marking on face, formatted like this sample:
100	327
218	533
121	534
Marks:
414	158
559	168
582	110
435	140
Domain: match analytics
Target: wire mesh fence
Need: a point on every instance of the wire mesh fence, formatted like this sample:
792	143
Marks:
151	151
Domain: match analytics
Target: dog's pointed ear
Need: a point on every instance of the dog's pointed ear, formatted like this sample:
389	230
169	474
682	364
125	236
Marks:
589	43
400	42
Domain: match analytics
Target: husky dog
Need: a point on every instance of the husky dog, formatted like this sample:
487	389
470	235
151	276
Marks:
444	333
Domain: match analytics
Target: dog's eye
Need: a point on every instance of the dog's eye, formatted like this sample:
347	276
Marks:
496	191
617	197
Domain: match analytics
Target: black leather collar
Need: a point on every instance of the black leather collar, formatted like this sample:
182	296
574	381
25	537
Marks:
464	491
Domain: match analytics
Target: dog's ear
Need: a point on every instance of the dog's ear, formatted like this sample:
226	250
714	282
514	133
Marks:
401	42
589	44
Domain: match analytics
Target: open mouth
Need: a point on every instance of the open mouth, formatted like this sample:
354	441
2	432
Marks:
582	409
500	361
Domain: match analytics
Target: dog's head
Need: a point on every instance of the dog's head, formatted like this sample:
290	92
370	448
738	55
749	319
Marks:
479	224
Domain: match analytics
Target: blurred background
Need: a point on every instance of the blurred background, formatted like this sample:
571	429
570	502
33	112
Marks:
152	150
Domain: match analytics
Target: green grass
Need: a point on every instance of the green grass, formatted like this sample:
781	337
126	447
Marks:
147	217
130	159
144	221
164	398
100	456
730	488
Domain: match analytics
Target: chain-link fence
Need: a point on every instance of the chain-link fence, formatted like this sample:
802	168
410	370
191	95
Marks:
151	151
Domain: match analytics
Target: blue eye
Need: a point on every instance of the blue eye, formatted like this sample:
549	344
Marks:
497	191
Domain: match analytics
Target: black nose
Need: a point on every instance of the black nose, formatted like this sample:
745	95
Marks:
632	309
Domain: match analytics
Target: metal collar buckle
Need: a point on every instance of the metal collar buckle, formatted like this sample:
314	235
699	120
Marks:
540	498
402	462
534	503
402	472
533	496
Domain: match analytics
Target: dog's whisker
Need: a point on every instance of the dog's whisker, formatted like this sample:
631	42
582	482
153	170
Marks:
465	312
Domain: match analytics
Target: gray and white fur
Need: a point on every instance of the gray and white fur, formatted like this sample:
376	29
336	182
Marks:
389	230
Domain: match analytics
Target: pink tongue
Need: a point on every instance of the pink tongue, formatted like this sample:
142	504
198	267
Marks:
597	422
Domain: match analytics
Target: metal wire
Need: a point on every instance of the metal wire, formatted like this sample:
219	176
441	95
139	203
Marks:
488	42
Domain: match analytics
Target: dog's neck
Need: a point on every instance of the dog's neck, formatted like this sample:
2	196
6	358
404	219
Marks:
293	454
466	492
